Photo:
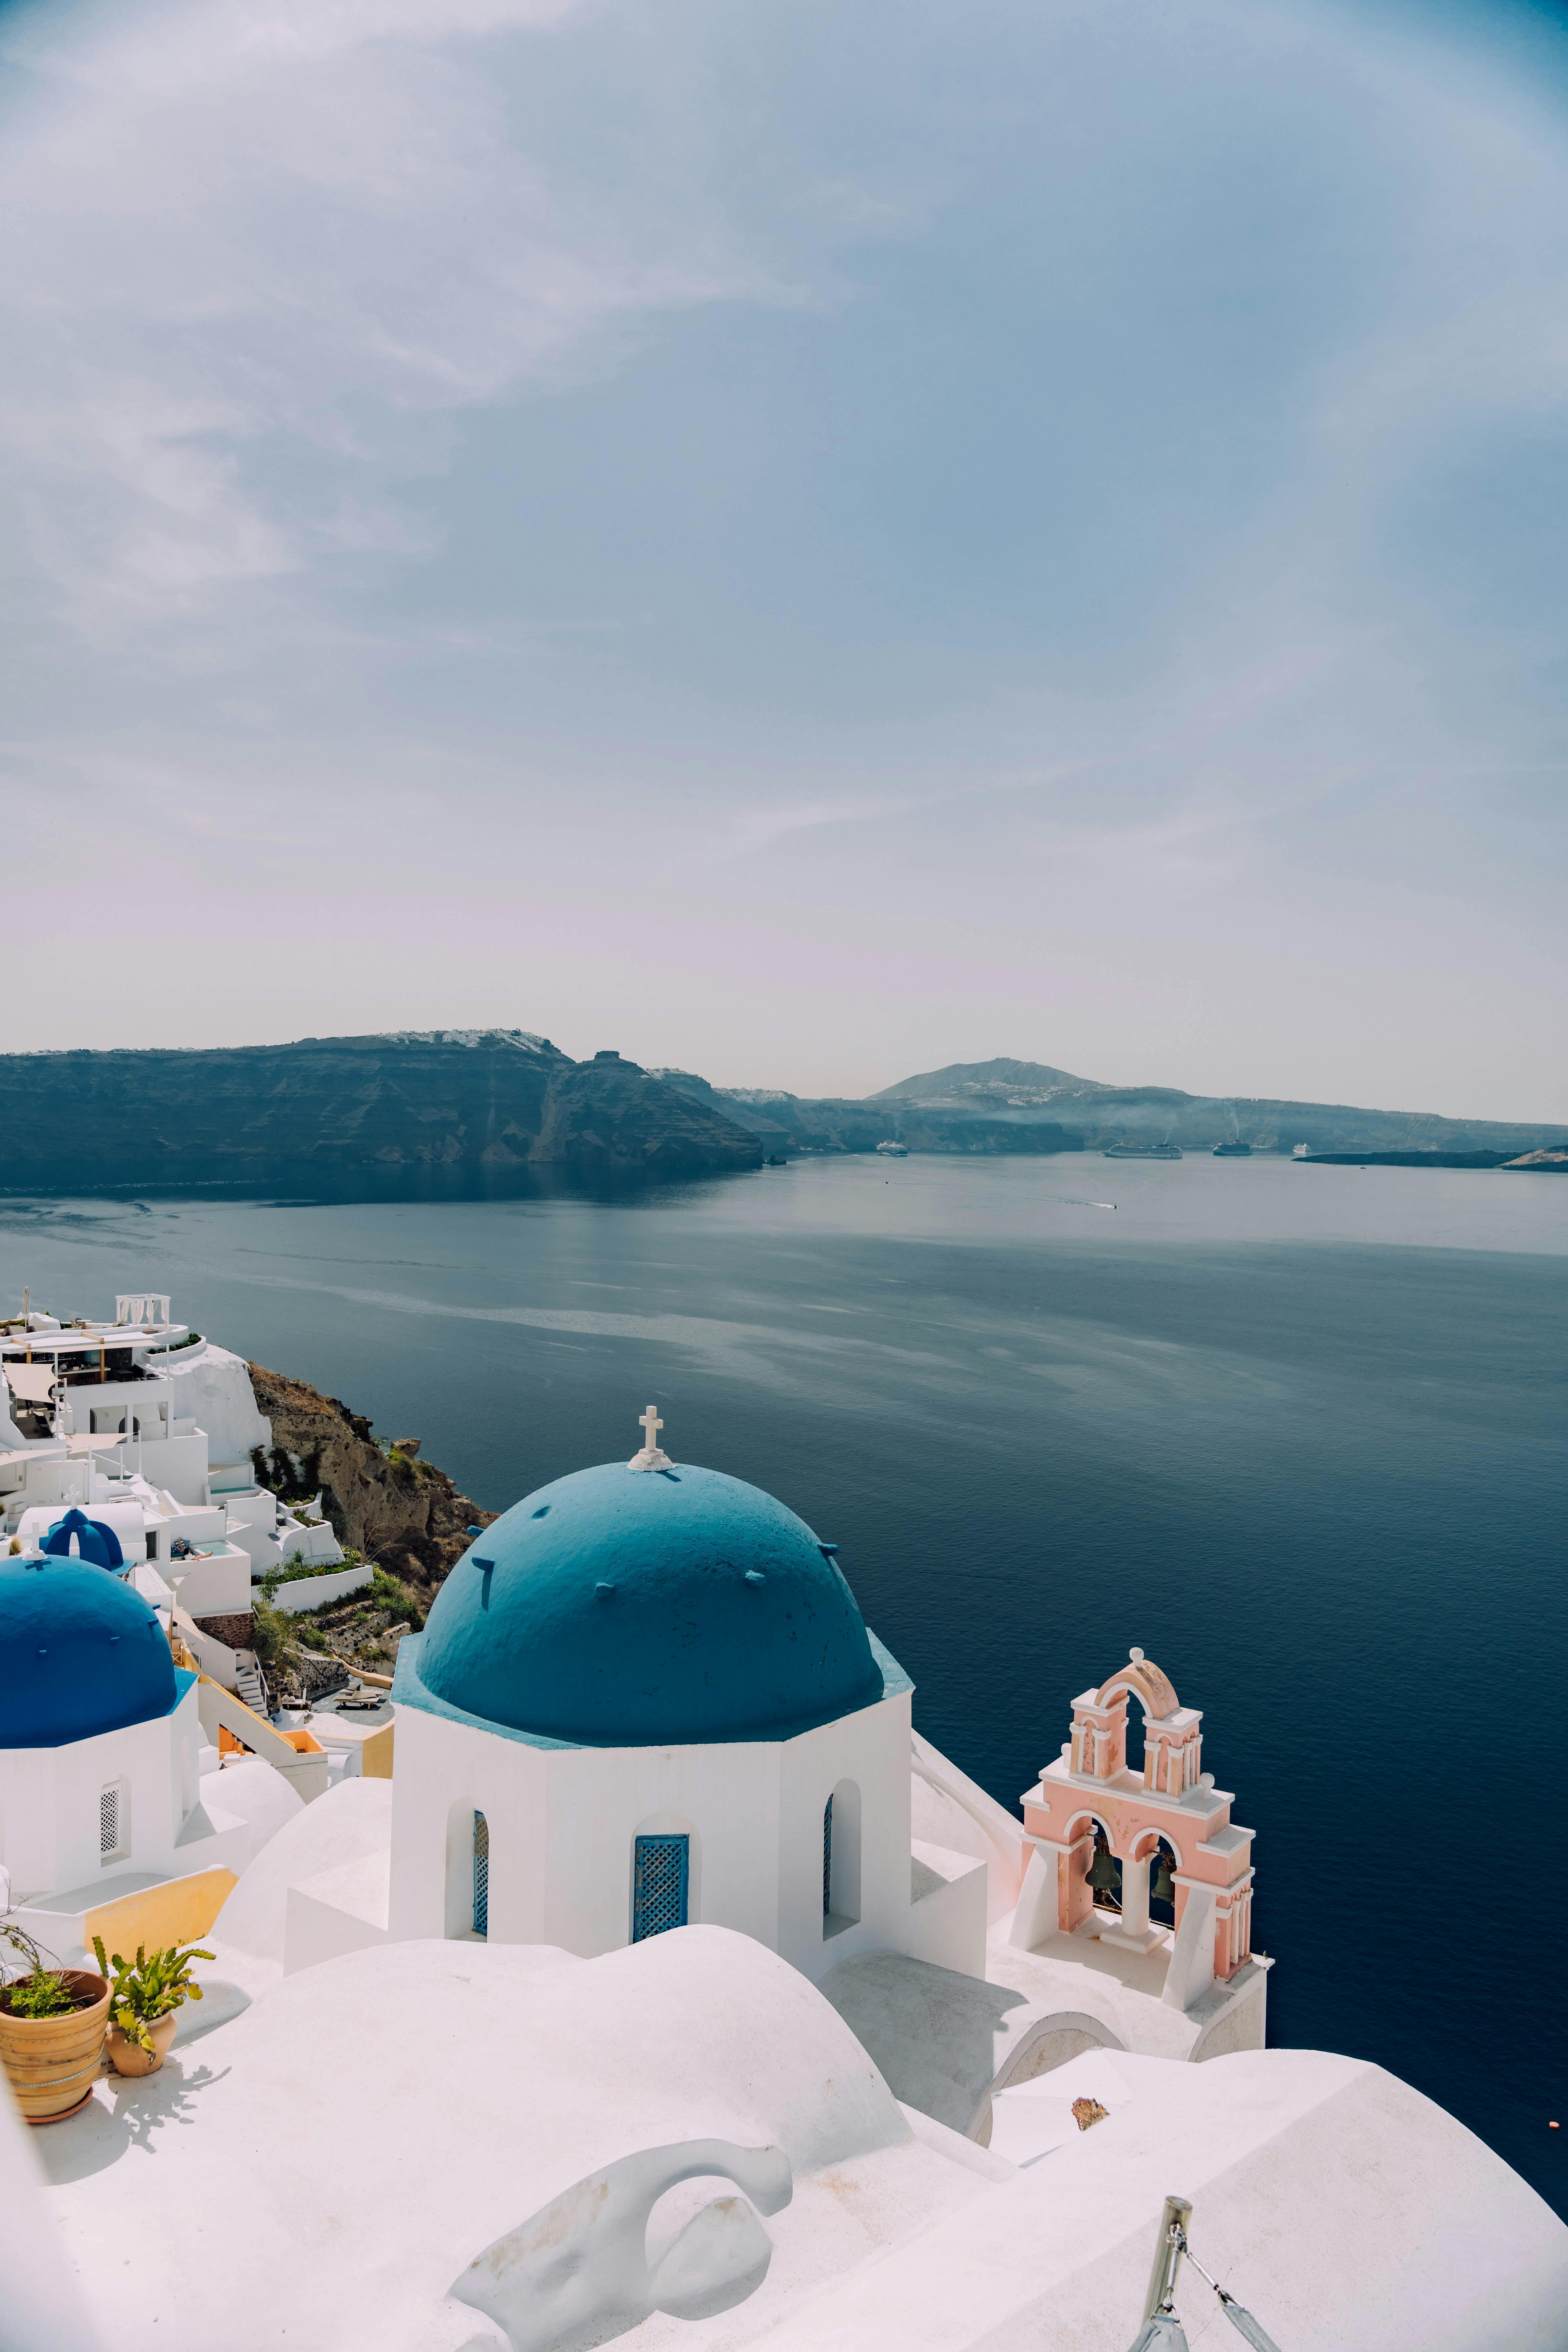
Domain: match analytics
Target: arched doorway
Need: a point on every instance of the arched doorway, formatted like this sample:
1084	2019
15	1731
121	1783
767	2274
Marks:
841	1859
467	1870
481	1876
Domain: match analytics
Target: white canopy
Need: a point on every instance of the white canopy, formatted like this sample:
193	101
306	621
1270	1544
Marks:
32	1380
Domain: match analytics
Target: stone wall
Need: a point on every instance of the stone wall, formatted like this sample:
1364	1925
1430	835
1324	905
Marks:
236	1631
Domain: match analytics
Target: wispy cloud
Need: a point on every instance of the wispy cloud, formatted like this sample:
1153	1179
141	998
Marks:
251	258
1037	522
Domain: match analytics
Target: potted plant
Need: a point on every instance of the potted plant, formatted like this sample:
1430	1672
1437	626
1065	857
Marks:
52	2023
144	1997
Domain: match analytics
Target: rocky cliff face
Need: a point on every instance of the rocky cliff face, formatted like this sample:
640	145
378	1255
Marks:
608	1112
452	1103
399	1510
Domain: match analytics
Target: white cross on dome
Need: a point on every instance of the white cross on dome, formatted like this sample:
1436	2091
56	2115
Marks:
653	1456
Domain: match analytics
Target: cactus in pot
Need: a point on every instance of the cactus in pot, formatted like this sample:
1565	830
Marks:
144	1997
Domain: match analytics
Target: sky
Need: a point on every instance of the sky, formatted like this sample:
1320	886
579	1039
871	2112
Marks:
800	541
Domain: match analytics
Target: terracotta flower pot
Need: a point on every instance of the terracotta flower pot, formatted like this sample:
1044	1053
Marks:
52	2063
128	2057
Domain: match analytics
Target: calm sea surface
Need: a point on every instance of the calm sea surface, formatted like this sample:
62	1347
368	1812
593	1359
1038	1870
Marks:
1301	1433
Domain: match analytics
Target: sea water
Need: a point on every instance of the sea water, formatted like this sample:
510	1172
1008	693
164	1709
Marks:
1299	1433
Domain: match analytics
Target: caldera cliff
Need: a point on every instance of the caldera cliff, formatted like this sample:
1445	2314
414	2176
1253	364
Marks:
466	1106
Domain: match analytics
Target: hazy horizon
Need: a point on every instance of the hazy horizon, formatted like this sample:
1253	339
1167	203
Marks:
809	1093
798	542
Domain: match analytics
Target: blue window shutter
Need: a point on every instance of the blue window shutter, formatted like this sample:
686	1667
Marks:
481	1876
660	1880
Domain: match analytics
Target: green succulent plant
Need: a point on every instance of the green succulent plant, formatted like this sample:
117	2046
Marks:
142	1990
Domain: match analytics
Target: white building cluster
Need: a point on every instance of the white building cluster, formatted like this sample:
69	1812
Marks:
671	1989
135	1528
150	1431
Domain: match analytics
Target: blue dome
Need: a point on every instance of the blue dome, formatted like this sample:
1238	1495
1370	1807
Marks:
95	1539
625	1607
81	1652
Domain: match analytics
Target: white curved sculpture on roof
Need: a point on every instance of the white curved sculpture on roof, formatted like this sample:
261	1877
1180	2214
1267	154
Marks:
416	2122
440	2147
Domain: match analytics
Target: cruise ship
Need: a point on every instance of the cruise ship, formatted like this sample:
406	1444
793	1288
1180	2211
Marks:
1166	1150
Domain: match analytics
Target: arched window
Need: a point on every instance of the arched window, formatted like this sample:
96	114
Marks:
481	1876
661	1881
841	1859
466	1905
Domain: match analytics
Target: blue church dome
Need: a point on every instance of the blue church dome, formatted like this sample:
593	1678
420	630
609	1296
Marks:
94	1540
624	1607
81	1652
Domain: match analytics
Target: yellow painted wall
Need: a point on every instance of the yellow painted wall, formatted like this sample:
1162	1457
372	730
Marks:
375	1755
181	1911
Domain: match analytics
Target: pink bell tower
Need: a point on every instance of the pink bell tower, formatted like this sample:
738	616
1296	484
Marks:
1173	1804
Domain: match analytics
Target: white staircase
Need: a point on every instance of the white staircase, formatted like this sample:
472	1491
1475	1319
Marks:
251	1683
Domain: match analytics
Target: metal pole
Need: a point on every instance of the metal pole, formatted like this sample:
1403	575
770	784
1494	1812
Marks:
1167	2256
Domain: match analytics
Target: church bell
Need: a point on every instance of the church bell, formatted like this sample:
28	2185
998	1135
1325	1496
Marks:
1164	1887
1103	1871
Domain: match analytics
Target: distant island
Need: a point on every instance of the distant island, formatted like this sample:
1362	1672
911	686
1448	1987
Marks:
1027	1107
470	1110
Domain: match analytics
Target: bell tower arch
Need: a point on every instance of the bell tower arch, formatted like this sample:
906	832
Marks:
1166	1826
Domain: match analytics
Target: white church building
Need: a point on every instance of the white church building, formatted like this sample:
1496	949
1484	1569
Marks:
647	1698
114	1819
675	1994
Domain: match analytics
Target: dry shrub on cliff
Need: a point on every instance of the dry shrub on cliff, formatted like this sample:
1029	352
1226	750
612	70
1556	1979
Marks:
397	1509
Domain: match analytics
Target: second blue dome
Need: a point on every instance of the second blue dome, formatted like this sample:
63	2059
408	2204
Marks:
80	1653
624	1607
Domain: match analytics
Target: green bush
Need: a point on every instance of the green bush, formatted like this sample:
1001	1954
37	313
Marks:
276	1472
389	1592
44	1993
275	1642
40	1991
277	1576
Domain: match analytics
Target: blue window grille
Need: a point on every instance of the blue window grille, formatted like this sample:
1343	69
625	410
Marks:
481	1876
662	1867
827	1858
